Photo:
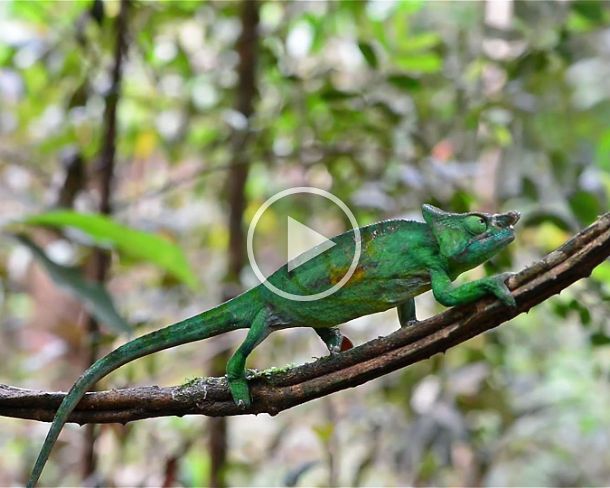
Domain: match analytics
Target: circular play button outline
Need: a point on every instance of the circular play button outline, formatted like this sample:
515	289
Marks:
314	191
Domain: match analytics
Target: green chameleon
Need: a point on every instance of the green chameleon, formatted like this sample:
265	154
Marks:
399	260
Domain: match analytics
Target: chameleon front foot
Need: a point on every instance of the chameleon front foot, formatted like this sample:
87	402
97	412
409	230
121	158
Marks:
500	290
240	392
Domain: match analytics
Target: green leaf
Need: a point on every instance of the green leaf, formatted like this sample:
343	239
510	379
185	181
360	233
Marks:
560	308
420	42
537	219
592	10
96	10
602	272
138	245
94	296
331	94
6	54
404	82
529	188
585	206
410	6
502	135
420	63
600	339
324	431
602	158
583	311
368	52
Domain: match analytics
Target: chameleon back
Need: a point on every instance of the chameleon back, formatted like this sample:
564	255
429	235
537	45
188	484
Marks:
388	272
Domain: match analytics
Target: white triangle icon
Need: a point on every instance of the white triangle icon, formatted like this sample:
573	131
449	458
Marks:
304	243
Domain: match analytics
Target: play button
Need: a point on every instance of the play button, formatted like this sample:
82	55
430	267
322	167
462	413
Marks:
304	244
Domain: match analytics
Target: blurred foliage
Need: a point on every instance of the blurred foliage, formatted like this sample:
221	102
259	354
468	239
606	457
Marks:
387	104
93	295
134	244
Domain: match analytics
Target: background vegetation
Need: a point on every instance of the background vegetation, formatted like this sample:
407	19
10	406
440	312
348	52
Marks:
174	121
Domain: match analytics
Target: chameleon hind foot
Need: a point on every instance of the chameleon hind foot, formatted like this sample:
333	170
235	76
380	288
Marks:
406	313
240	392
335	341
236	366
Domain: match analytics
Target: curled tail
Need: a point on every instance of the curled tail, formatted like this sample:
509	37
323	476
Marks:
226	317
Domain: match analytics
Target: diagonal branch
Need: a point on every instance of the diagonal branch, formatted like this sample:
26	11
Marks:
281	390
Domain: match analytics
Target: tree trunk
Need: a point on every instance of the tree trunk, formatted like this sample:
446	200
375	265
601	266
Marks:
247	46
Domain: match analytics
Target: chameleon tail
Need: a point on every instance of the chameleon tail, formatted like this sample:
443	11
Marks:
210	323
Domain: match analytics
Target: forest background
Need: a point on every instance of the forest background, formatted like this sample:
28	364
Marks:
178	119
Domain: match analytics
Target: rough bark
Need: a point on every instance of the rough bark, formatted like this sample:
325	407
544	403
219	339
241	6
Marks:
279	391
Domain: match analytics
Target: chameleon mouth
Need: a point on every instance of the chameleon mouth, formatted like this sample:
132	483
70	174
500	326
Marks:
502	237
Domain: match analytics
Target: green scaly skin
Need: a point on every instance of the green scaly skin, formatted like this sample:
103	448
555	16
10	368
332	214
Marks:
399	260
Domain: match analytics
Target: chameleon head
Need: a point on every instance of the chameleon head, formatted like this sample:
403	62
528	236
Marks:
469	239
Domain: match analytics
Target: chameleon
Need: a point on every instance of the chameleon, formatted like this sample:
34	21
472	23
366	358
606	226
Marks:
399	260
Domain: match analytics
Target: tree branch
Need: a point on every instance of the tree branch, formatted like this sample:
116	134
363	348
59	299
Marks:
281	390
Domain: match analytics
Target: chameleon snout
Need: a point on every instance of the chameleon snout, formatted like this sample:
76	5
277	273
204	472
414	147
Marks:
508	219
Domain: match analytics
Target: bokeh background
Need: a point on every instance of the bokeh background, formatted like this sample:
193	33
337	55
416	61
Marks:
178	119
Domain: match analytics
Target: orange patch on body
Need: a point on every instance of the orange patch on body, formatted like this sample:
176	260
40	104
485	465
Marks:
337	274
346	344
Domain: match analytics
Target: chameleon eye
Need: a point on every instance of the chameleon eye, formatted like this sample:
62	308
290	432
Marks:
476	224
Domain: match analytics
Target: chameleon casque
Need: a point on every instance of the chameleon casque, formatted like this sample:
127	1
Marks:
399	260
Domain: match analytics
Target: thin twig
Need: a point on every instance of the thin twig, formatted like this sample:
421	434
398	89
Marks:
279	391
